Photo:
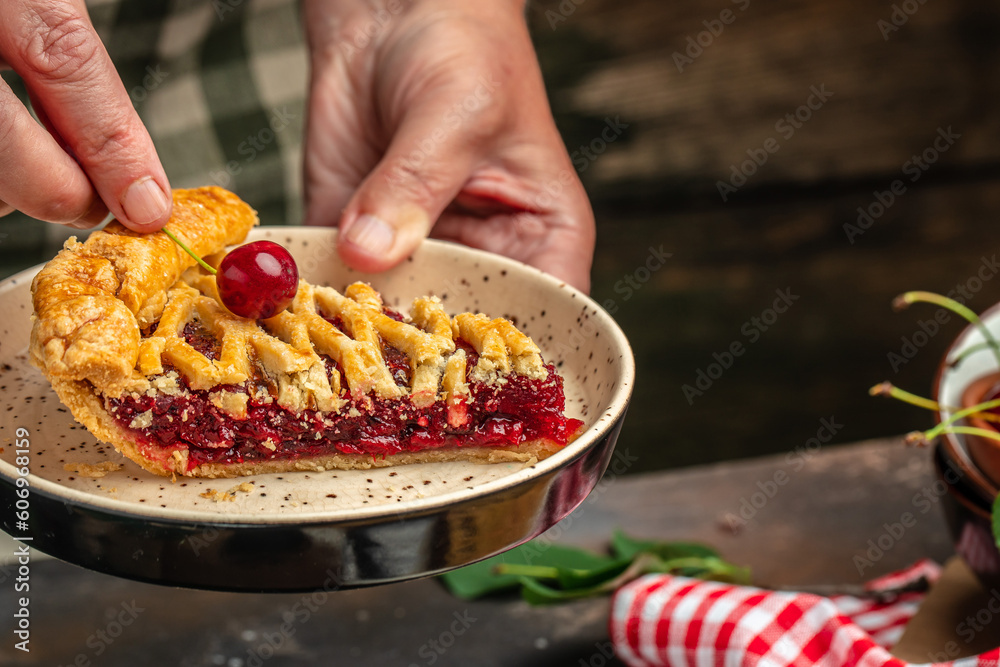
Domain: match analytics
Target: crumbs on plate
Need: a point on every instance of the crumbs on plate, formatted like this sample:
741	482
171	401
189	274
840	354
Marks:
227	496
95	471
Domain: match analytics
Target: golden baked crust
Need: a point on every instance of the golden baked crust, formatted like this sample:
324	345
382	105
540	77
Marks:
287	347
93	337
92	301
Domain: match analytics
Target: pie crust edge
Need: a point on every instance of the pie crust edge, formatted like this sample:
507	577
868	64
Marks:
92	299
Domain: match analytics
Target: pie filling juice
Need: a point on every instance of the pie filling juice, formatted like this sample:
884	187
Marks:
508	413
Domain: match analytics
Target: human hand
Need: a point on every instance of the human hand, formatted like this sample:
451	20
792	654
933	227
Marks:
96	155
433	113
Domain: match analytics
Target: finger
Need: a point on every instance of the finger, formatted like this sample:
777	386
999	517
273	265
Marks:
55	49
393	210
36	176
98	211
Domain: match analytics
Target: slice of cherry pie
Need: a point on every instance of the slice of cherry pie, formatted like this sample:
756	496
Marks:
136	342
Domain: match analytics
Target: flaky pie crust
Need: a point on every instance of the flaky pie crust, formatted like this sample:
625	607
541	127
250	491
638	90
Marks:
94	298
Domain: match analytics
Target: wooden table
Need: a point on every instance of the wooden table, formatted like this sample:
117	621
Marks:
802	528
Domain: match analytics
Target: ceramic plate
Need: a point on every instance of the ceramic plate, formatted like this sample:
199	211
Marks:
333	529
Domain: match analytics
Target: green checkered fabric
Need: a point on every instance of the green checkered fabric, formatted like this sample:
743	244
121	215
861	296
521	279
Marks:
221	86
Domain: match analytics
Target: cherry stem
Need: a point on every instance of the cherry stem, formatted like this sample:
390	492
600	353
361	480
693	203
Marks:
189	251
973	410
947	425
904	300
972	430
887	389
537	571
890	391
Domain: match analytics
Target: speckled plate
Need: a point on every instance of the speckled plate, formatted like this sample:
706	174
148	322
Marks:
333	529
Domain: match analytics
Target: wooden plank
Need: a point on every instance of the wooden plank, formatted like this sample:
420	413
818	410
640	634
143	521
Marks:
891	90
820	357
803	532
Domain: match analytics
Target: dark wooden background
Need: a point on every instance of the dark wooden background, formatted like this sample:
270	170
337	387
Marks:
656	185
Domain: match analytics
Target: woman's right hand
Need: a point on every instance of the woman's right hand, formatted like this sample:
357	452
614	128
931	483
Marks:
96	155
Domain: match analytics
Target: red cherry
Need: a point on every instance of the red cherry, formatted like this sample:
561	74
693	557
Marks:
257	280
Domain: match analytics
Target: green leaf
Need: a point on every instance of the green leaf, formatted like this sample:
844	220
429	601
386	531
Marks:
481	578
996	520
536	593
713	569
548	573
624	546
569	579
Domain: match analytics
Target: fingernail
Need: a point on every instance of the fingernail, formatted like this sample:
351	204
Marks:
372	234
144	202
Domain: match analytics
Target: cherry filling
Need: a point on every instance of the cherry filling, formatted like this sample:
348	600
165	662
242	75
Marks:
519	410
201	339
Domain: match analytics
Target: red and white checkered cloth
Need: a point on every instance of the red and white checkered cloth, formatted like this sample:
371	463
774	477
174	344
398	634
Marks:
665	620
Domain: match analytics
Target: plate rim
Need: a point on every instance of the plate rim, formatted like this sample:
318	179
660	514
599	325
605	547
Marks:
956	442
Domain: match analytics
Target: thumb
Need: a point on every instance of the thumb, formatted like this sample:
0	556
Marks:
394	208
72	80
